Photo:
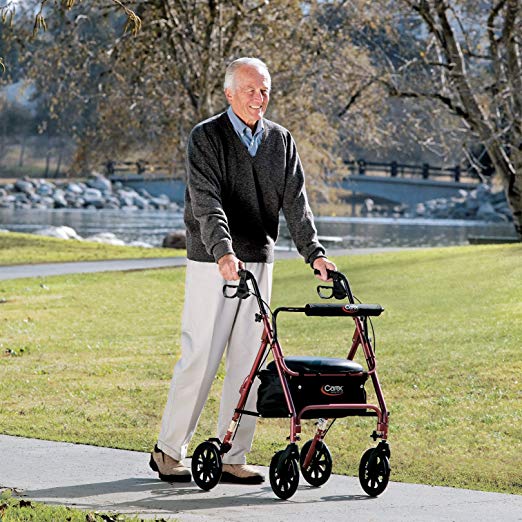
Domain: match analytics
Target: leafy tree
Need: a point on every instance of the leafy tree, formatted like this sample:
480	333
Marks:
182	71
128	95
466	59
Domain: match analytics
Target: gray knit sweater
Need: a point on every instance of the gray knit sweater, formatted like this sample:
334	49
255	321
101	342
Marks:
233	200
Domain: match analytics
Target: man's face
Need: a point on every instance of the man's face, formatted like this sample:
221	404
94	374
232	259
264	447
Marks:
249	95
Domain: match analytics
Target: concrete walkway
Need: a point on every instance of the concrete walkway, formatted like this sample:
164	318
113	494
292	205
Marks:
104	479
84	267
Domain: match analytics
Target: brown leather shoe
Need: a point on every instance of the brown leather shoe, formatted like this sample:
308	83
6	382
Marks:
169	469
241	474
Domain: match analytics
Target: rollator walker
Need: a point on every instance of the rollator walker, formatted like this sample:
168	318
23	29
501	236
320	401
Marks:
322	388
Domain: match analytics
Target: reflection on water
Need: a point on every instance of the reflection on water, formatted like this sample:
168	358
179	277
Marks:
383	232
131	225
152	227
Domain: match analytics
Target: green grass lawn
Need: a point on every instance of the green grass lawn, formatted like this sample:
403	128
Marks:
15	509
88	358
18	249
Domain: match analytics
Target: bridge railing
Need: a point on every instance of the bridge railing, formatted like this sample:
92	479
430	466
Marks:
360	167
394	169
140	167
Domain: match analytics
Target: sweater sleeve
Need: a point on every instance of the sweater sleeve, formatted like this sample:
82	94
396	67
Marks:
204	186
296	210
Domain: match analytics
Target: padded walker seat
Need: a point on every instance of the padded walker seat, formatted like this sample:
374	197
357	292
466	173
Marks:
319	365
321	381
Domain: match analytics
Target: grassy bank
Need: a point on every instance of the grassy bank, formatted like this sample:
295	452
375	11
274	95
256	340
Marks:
15	509
18	249
88	358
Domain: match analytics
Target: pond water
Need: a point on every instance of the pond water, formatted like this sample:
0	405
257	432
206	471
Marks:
152	226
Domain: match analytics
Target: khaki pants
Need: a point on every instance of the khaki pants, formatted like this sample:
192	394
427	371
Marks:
211	323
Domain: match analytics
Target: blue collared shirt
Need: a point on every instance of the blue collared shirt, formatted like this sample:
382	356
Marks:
244	132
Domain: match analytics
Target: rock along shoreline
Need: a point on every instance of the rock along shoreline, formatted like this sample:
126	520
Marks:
98	192
480	204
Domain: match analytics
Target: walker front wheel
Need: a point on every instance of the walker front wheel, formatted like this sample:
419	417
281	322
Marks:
320	468
206	465
284	475
374	472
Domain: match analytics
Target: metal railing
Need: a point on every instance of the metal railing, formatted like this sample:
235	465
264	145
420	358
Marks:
359	167
394	169
139	167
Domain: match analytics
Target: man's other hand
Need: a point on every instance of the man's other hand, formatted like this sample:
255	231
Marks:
323	264
228	266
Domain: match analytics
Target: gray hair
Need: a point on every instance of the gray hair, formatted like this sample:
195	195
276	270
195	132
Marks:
240	62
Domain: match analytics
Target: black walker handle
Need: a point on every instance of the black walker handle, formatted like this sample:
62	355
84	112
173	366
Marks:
242	291
340	288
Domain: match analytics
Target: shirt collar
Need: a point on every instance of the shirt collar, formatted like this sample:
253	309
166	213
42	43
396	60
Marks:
240	126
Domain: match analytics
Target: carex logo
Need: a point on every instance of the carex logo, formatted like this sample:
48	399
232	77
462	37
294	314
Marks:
332	391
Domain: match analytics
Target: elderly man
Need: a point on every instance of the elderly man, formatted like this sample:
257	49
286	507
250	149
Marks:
242	170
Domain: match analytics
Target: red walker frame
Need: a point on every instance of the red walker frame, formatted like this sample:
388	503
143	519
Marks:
374	469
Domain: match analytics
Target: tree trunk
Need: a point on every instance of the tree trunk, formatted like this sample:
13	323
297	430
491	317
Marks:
22	151
513	188
511	182
3	141
514	196
81	163
47	162
59	162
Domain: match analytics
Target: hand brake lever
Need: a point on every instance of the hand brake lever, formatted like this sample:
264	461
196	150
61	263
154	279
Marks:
338	289
242	290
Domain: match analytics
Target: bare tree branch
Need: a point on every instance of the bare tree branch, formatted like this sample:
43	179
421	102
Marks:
448	102
475	162
355	96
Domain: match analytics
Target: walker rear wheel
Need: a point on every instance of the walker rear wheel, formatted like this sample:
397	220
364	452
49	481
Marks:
284	475
206	465
374	472
320	468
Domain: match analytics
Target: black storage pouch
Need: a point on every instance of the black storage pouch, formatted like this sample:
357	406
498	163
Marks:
311	390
